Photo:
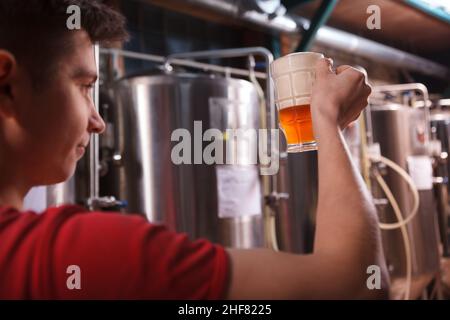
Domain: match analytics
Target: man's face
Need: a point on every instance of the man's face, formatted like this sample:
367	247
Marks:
51	126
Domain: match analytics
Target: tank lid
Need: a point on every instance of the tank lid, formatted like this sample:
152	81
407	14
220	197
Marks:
152	75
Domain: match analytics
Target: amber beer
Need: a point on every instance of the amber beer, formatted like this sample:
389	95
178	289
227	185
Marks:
293	76
296	124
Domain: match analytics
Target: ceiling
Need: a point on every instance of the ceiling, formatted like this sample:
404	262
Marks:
402	26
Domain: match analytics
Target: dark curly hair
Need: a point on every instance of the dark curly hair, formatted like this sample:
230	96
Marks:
35	31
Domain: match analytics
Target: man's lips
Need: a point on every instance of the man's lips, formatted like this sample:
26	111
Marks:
85	143
81	150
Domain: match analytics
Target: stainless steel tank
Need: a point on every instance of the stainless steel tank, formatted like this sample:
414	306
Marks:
440	120
217	201
440	125
298	177
296	215
400	131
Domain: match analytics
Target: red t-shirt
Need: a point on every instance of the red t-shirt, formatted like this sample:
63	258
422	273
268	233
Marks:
118	256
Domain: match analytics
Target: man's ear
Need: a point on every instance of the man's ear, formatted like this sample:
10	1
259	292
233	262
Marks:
8	66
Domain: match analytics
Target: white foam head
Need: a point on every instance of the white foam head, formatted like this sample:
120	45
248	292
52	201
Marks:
293	76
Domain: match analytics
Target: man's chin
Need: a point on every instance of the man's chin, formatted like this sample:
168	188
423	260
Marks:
60	175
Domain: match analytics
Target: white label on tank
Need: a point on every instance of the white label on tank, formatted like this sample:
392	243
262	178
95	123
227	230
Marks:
238	191
421	171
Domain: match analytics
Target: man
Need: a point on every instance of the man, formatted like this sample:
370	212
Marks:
46	117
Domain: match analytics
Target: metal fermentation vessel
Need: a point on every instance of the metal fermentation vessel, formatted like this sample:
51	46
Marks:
401	133
440	125
296	215
217	201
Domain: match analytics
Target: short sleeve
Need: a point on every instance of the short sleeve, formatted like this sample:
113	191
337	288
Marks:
125	257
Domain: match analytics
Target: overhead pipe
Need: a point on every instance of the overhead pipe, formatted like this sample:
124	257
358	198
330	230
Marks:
326	36
116	53
319	19
236	9
378	52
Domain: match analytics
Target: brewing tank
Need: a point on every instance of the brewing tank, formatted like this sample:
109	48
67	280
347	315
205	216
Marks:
440	120
440	126
298	178
401	133
296	214
151	116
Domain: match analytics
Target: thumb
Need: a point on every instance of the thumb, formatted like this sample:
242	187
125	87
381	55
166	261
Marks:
323	67
342	68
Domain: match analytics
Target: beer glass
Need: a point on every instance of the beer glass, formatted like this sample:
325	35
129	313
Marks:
293	76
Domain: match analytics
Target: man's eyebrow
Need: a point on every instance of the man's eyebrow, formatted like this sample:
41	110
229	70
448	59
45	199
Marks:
83	73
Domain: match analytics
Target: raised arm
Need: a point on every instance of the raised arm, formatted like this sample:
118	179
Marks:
347	238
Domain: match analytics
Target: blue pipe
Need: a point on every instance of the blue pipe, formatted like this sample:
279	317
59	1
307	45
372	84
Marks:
320	18
436	12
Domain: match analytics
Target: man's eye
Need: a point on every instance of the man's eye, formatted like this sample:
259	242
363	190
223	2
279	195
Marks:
88	88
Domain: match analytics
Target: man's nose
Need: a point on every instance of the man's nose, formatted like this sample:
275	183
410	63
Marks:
96	123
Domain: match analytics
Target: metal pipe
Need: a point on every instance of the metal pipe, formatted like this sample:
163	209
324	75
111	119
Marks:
187	63
94	145
378	52
411	87
233	8
319	19
329	37
437	11
233	53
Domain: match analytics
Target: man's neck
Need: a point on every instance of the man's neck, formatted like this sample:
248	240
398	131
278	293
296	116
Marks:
11	199
12	191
